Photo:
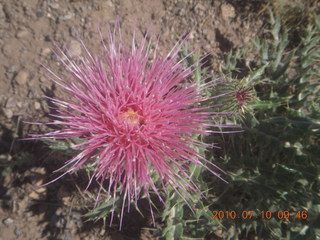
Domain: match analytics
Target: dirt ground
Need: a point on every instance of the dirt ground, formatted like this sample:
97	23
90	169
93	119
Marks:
27	28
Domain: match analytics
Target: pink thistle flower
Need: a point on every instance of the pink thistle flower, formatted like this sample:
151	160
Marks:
136	114
242	96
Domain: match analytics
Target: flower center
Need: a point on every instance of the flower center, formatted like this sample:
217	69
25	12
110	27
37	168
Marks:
131	116
242	96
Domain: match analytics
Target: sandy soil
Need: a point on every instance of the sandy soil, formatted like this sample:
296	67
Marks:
27	28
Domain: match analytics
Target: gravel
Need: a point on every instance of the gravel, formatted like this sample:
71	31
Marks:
8	222
22	77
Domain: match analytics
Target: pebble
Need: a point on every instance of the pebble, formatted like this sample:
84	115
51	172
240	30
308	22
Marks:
200	7
45	52
48	38
43	79
17	232
76	216
60	223
22	77
22	33
12	46
102	232
30	94
227	11
74	48
11	102
66	200
11	71
8	221
33	83
41	171
11	68
182	12
2	15
59	211
3	158
37	105
110	3
88	238
73	32
181	4
54	5
210	35
192	34
39	14
65	236
219	233
35	195
8	113
19	104
68	16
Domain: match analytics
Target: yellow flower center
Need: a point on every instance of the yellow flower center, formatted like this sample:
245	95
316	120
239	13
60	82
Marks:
131	116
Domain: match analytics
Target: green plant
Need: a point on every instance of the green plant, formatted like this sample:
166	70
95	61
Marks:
274	164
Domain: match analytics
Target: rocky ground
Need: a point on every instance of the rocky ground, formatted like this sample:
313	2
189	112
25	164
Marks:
27	31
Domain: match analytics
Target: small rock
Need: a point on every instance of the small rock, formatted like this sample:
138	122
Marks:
8	221
182	12
89	238
39	14
21	193
59	212
12	46
54	5
7	180
227	11
3	158
37	105
88	24
199	7
17	232
110	3
48	38
207	47
8	12
68	16
30	94
74	48
210	35
102	232
22	33
8	113
22	77
19	104
11	71
2	14
219	233
60	223
181	4
192	35
11	102
43	79
33	83
39	170
27	11
45	52
66	201
65	236
73	32
37	195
